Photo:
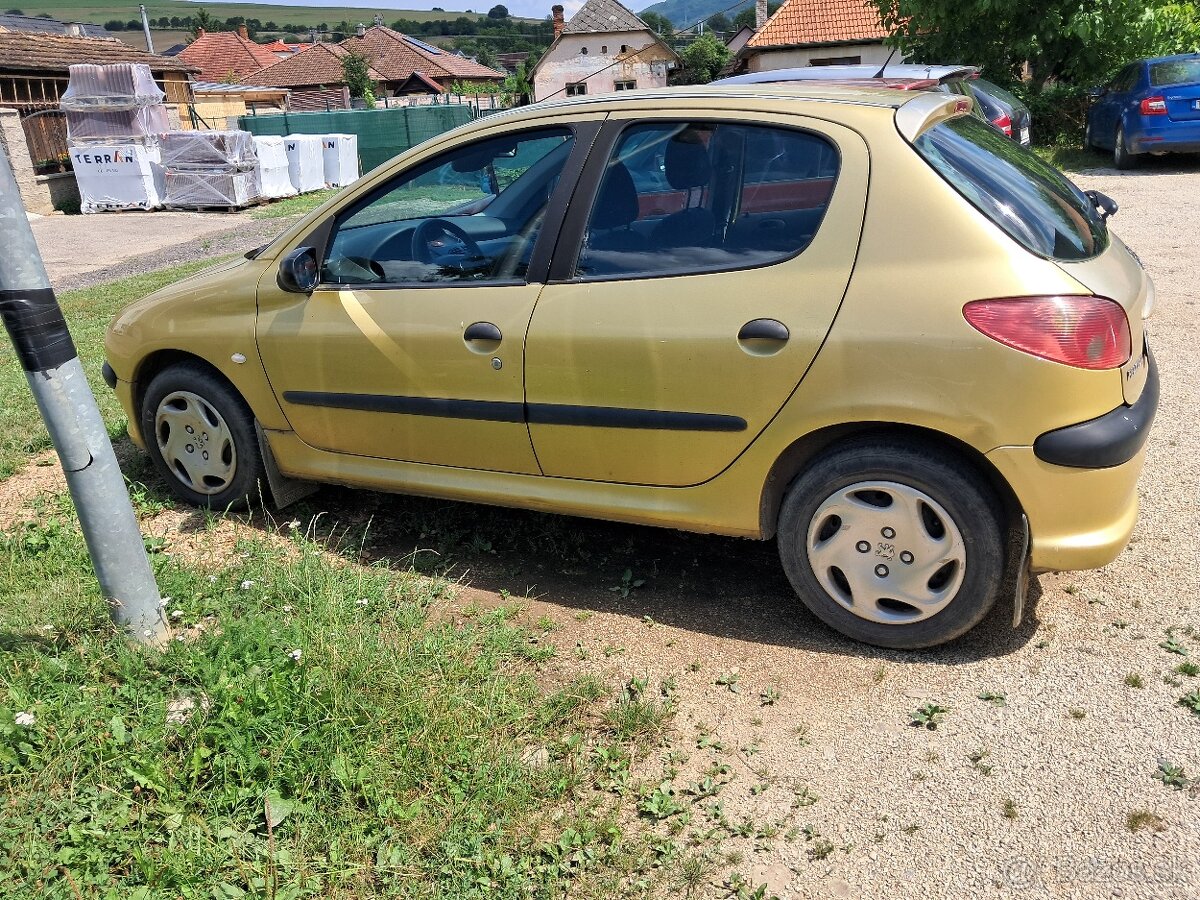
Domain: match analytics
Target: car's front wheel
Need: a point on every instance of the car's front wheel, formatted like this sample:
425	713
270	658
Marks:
1122	158
895	545
200	435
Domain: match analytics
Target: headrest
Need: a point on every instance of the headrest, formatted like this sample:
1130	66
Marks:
686	162
617	203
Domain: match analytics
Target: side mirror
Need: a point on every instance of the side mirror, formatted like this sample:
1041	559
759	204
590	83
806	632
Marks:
298	272
1097	92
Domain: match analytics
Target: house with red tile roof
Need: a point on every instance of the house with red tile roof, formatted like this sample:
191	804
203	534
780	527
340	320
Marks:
316	78
280	49
226	55
817	33
398	55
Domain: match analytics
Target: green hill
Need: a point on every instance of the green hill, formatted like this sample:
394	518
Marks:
101	11
685	13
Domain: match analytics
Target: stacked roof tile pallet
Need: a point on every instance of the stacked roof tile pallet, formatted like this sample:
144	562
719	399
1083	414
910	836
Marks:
210	170
114	116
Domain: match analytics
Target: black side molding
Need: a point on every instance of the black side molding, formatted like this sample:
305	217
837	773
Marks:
618	417
482	410
1110	440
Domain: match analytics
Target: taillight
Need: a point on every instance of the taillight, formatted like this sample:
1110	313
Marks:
1004	123
1154	106
1085	332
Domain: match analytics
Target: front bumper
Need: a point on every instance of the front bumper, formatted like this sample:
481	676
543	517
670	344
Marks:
1078	485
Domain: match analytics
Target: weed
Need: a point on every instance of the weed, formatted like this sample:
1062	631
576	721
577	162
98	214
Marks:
993	697
546	624
1189	668
611	650
1134	680
1009	808
801	734
879	674
659	802
628	584
818	847
1191	700
769	695
1172	775
804	797
583	615
694	666
1141	819
927	715
1076	713
977	758
729	680
1173	646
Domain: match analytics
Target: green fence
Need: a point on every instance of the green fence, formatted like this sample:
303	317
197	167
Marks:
382	133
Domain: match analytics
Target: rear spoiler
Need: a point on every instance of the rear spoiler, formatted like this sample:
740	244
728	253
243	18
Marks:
925	110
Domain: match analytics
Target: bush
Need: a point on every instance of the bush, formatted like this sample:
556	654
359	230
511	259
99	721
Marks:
1059	113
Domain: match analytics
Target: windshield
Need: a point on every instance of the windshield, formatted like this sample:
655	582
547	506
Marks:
1032	201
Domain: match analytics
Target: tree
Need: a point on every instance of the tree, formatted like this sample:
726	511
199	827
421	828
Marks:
114	25
499	11
718	22
1077	41
14	12
356	70
702	59
486	57
748	17
202	20
658	23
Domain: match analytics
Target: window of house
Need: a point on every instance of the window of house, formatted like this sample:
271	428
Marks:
604	48
682	198
471	214
576	88
583	52
624	85
624	48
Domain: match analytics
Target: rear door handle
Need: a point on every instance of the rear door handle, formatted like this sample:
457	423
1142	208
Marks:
764	330
482	331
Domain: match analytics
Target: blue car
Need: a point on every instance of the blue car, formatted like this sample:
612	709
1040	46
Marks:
1151	106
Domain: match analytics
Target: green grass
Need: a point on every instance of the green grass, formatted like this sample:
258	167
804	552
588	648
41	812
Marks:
392	758
88	313
1073	159
101	11
293	206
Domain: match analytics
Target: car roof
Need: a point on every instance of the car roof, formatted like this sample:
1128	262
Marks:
865	94
900	71
1176	58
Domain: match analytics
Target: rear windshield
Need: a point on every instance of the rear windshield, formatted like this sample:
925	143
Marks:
1177	71
1032	201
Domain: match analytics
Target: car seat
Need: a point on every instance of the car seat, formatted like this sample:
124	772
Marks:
687	167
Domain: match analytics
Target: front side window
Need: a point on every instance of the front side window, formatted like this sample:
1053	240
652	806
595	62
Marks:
1032	201
682	198
469	215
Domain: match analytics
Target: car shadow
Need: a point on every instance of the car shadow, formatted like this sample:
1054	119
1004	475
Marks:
1167	164
728	588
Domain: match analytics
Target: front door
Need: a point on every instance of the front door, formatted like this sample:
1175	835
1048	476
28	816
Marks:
709	269
411	348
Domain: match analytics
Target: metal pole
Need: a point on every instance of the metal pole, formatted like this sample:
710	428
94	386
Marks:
146	29
35	323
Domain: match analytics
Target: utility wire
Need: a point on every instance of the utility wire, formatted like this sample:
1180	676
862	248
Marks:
674	34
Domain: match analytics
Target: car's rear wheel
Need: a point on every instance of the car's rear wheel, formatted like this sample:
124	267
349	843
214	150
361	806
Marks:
895	545
200	434
1122	158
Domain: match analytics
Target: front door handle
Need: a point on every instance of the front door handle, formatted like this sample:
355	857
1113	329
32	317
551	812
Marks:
483	331
764	330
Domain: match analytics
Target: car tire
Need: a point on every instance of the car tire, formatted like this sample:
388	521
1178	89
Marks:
1089	143
201	437
893	544
1122	158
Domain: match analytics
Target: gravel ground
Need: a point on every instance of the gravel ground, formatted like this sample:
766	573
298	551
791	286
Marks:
1029	795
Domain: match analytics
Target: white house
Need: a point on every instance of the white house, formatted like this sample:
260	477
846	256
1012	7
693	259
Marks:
603	48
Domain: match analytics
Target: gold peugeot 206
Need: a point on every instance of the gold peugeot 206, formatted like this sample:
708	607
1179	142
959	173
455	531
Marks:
860	322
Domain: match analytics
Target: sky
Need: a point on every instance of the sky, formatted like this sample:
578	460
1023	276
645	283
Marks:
534	9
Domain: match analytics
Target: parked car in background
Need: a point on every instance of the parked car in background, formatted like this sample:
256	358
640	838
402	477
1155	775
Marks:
1003	109
992	104
859	321
1150	106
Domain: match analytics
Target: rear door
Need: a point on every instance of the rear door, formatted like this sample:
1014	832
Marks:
701	267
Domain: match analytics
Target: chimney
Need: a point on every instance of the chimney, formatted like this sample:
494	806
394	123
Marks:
557	12
360	29
200	32
242	32
378	19
760	14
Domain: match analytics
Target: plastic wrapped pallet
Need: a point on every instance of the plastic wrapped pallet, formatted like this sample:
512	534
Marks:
141	124
209	151
306	161
115	86
341	159
117	176
273	175
191	190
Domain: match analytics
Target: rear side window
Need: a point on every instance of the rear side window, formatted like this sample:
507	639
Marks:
1177	71
1032	201
680	198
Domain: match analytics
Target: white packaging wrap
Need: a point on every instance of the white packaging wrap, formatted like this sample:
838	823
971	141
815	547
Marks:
117	176
209	151
306	162
341	159
190	190
274	176
142	124
115	86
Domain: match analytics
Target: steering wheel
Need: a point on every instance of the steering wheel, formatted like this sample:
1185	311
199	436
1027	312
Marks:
431	229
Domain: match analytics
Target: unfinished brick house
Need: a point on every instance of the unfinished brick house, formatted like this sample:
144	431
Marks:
603	48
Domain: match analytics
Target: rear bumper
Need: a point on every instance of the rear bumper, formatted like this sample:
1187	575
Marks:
1078	485
1173	137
